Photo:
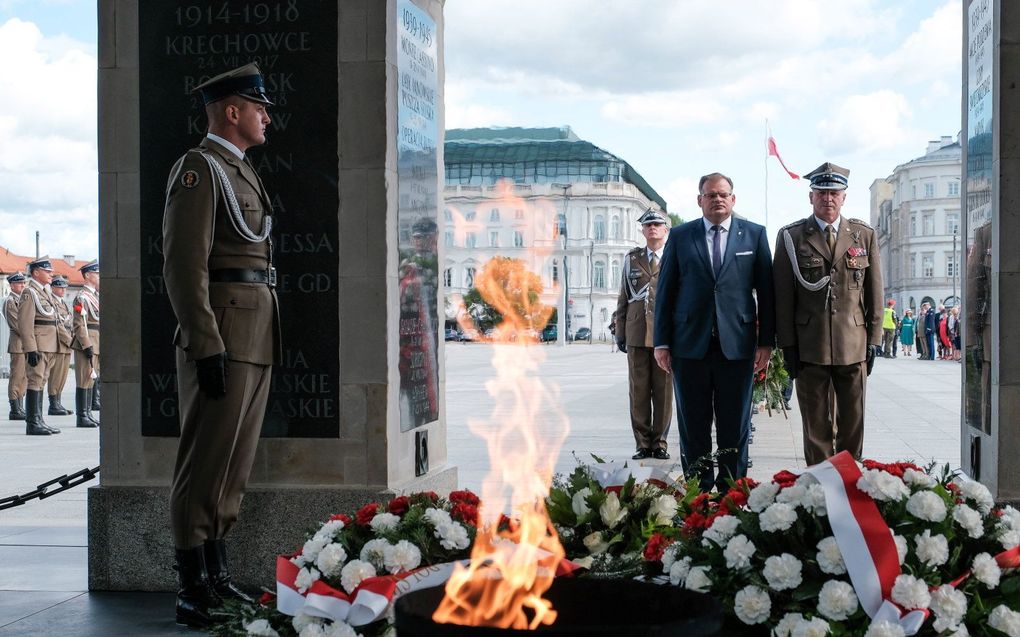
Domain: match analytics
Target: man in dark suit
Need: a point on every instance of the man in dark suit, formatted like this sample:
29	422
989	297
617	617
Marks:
710	329
931	327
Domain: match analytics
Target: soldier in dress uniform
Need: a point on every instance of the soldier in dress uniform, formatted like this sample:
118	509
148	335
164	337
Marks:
62	357
829	315
18	381
220	280
651	388
85	343
37	319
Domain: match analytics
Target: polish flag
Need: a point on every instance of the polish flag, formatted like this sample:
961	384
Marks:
774	151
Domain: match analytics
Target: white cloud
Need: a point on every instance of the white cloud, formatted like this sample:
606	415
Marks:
675	110
864	123
48	159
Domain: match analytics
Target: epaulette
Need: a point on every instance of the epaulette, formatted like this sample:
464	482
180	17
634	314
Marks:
790	225
860	223
636	251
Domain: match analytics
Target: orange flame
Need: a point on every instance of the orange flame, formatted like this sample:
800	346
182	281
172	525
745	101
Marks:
510	570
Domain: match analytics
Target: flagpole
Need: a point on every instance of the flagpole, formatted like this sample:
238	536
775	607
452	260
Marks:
766	172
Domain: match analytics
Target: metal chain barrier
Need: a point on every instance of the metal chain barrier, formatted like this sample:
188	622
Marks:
51	488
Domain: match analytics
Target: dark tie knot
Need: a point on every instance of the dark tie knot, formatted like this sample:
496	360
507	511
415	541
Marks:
717	229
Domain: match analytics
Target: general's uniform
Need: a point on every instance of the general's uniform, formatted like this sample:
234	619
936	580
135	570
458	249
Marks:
62	357
651	389
18	382
832	326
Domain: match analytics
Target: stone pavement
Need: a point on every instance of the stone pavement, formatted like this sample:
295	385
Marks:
913	412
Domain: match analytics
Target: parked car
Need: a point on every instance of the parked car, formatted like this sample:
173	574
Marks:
583	334
452	334
548	334
469	335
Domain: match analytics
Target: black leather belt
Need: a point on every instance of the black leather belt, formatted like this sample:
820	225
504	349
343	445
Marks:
92	326
243	275
38	322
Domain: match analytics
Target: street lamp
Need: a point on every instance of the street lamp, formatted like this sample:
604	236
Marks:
564	300
956	266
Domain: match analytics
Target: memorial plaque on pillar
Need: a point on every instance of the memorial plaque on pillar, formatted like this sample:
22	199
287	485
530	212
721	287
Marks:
418	197
294	42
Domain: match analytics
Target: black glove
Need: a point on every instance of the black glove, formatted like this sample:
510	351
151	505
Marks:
872	352
33	358
791	361
622	345
88	352
212	375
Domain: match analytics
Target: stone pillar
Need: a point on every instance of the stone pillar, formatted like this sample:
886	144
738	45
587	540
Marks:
991	293
353	163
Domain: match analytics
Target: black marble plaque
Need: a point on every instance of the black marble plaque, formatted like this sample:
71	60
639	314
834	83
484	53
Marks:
295	44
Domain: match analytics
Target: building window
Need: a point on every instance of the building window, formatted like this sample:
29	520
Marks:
449	238
555	271
950	265
928	265
928	222
448	277
954	189
494	215
448	214
952	223
561	226
470	240
600	228
599	275
518	239
469	216
913	266
913	224
615	272
518	214
469	277
614	228
494	239
929	190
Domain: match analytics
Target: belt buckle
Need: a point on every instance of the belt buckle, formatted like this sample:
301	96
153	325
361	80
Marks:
271	276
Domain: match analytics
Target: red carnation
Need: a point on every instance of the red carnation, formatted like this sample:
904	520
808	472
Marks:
346	519
700	501
694	522
466	497
399	505
656	547
429	495
267	598
366	513
745	483
465	512
785	479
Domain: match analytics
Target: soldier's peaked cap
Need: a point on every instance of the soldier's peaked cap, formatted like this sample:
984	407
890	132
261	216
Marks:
59	282
653	216
245	81
829	176
91	266
16	277
41	263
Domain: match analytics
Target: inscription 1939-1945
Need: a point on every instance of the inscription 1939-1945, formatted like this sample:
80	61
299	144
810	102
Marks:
294	42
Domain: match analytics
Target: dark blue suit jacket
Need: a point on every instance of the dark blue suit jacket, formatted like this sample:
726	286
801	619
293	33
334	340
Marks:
688	292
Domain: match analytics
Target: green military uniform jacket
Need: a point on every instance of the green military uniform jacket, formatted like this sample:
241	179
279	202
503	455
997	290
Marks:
85	327
635	306
37	317
11	304
199	235
834	324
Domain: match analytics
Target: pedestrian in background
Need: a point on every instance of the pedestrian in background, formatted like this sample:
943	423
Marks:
907	332
888	328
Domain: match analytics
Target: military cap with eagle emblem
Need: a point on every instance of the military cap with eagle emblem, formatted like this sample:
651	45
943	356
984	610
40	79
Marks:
828	176
245	81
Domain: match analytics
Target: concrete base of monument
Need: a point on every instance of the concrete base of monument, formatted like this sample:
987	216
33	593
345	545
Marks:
130	546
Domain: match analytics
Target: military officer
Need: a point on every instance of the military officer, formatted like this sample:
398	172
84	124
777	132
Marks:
62	357
85	343
651	388
829	315
19	380
220	279
37	318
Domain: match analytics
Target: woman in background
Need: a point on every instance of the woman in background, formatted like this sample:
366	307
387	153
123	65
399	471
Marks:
907	332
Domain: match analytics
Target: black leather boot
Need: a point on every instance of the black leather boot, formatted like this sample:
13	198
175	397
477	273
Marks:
88	405
57	409
21	408
219	573
196	598
81	408
33	419
95	395
39	409
17	412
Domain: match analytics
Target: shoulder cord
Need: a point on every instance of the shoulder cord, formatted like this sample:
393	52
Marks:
791	253
88	302
235	216
38	306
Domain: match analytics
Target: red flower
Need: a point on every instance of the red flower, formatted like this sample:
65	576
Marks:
656	547
732	501
506	524
346	519
267	599
431	496
760	376
700	501
785	479
399	505
466	497
695	522
366	513
745	483
465	513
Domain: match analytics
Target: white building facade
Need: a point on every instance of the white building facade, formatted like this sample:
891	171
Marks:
916	211
523	189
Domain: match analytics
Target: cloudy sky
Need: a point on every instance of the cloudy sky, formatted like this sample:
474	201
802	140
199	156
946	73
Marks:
678	88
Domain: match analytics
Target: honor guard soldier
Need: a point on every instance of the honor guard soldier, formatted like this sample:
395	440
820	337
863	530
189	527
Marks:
37	318
18	381
829	315
85	343
62	357
651	388
220	280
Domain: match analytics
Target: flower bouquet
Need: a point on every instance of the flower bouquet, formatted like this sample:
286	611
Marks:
348	571
769	384
881	550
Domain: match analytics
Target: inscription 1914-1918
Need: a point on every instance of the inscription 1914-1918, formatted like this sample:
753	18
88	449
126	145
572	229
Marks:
294	43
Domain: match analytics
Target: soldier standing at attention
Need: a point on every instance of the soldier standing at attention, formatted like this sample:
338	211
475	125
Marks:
651	388
86	346
220	279
829	315
37	318
62	357
19	380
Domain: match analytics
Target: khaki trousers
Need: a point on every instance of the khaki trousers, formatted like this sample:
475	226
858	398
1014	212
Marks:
831	399
83	370
18	382
38	375
58	375
217	448
651	399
